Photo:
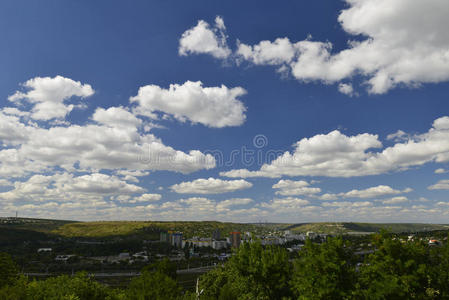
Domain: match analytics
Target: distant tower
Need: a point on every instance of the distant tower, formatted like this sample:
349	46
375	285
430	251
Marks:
17	214
176	239
165	237
235	239
216	234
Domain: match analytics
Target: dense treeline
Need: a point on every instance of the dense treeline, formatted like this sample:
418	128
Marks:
395	270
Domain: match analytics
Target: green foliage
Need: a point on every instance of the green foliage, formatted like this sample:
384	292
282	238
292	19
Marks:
66	287
397	270
342	228
150	229
8	270
440	271
164	266
153	286
252	273
323	271
79	287
16	290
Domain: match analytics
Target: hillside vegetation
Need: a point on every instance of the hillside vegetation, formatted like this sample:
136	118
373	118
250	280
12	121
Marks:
40	225
345	228
151	230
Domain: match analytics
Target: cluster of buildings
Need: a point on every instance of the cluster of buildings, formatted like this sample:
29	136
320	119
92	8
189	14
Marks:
173	238
234	239
216	242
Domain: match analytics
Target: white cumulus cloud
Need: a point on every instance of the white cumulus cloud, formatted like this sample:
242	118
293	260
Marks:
395	200
210	106
146	198
206	39
210	186
346	88
392	48
440	185
372	192
338	155
292	188
48	96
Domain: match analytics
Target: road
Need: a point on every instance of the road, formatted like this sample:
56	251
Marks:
126	274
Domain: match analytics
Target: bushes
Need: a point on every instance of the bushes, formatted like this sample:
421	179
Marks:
64	287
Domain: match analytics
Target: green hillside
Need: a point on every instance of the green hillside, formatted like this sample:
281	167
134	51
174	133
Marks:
150	229
342	227
40	225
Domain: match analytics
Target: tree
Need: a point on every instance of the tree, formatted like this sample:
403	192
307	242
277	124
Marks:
440	270
65	287
253	272
396	270
153	286
324	271
164	266
8	270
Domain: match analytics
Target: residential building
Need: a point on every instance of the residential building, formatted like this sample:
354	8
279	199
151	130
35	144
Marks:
217	245
176	239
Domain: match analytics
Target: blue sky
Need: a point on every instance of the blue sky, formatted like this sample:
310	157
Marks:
122	110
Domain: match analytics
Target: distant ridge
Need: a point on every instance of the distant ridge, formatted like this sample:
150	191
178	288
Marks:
347	227
151	229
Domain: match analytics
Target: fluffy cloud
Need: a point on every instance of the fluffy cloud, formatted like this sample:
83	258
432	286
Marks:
372	192
95	147
292	188
146	198
12	131
440	171
67	187
116	117
267	53
395	49
111	150
347	204
346	88
113	142
395	200
205	39
440	185
129	175
328	197
48	96
201	208
337	155
229	205
289	204
333	154
210	186
398	136
210	106
226	204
